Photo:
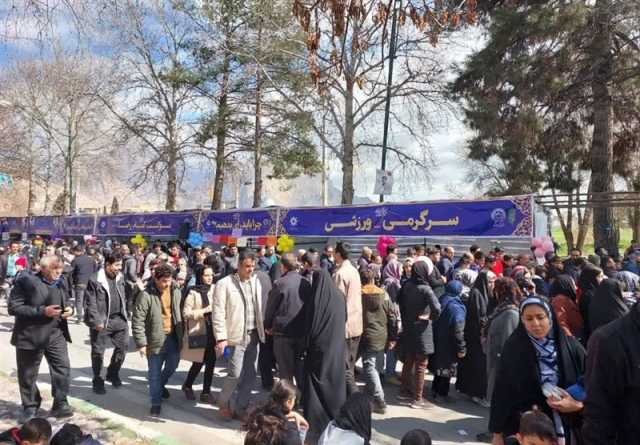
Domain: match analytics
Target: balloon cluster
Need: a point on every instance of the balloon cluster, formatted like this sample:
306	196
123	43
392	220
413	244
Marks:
195	239
542	245
139	240
285	244
383	242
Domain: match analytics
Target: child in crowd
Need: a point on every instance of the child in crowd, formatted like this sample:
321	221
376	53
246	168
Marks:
380	330
71	434
36	431
276	423
416	437
536	428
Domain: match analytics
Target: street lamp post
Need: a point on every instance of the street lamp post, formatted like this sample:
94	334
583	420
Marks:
397	5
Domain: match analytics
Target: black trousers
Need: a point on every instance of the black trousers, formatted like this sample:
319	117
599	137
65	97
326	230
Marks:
266	362
209	364
288	354
29	360
351	358
117	333
440	385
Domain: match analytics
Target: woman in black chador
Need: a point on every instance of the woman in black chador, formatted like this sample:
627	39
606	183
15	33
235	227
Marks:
472	370
324	390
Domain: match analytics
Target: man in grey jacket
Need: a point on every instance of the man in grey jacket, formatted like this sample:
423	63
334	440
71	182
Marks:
238	325
157	331
129	268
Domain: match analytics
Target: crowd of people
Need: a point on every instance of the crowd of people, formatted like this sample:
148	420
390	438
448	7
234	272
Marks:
549	346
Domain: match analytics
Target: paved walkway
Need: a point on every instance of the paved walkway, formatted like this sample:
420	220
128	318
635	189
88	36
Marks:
188	423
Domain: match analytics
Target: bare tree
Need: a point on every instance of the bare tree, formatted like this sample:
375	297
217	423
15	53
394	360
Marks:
158	96
352	86
57	100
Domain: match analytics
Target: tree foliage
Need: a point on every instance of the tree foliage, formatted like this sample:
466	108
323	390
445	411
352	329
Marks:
530	97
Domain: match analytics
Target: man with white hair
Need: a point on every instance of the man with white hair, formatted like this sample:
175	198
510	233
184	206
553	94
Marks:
39	306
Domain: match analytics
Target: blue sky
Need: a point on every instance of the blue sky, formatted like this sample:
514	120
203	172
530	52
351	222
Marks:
21	42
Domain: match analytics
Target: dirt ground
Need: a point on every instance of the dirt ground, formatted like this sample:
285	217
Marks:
86	417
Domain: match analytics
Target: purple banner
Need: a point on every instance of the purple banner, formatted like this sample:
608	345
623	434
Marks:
490	218
147	224
77	225
13	225
44	225
240	222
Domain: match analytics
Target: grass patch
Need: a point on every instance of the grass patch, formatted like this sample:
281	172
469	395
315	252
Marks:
626	235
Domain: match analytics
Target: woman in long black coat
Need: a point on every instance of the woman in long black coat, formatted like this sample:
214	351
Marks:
607	304
324	390
419	307
537	352
588	282
472	370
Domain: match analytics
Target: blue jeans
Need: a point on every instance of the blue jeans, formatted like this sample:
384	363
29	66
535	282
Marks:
373	364
392	361
169	356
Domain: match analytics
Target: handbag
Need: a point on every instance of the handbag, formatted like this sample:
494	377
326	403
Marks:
196	341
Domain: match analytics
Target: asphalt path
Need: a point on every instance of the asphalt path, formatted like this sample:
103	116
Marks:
187	423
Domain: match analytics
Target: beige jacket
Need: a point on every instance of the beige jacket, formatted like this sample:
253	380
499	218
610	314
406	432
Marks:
347	279
230	312
194	324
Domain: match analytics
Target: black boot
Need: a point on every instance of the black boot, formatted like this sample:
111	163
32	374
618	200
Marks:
98	386
114	379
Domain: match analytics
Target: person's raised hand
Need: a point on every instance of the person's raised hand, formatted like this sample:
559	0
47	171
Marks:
565	404
298	419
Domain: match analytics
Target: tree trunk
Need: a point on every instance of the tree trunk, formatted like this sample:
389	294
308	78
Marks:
567	230
583	222
635	212
172	178
47	178
221	135
348	151
605	233
257	164
31	195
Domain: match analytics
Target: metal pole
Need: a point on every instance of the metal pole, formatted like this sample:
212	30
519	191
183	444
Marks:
324	164
387	106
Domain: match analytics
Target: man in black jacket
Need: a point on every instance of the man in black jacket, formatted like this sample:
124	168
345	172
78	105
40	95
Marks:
612	407
284	318
40	329
83	269
106	316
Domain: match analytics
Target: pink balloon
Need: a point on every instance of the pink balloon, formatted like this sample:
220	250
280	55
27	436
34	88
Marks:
537	242
547	246
539	252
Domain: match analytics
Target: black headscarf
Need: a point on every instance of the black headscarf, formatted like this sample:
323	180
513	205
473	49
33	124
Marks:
607	304
420	272
588	283
482	284
588	279
355	415
325	389
563	285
